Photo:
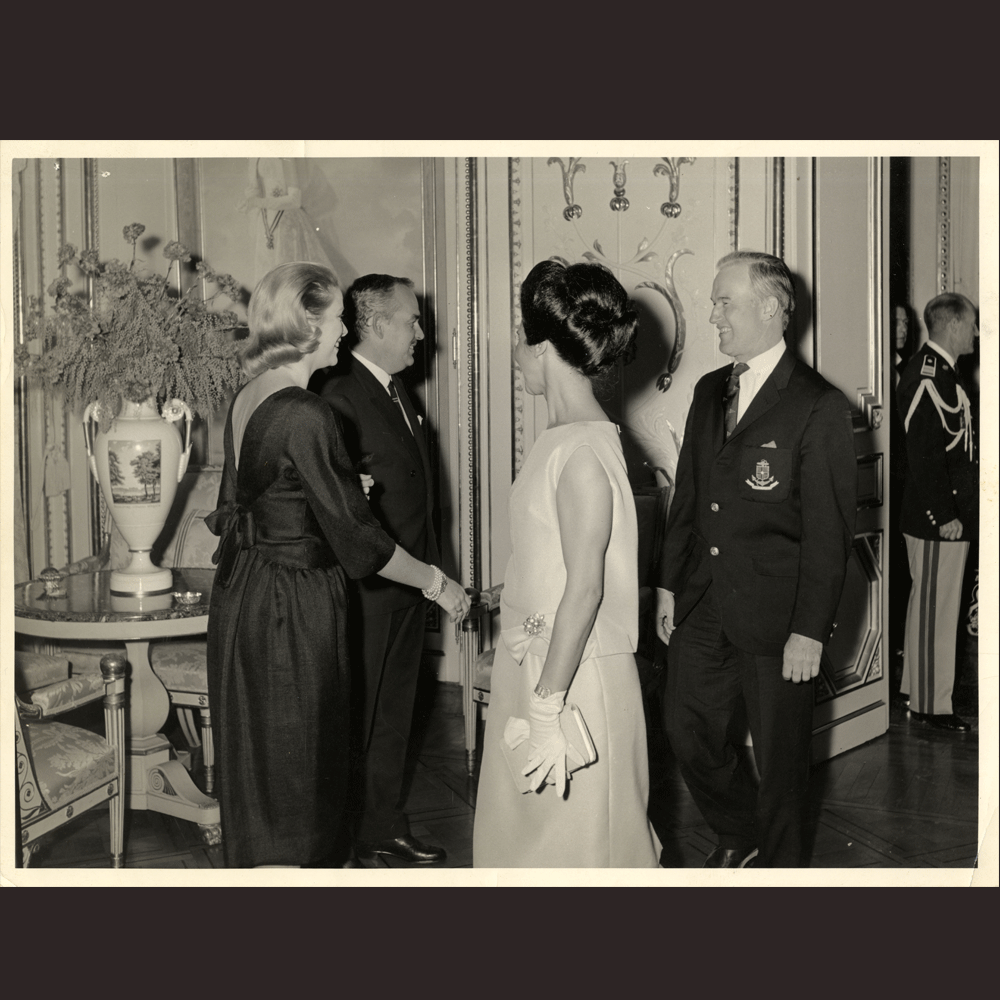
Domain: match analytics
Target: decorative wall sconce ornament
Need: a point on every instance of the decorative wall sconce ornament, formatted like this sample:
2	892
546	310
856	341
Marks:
671	167
669	292
619	203
644	253
571	211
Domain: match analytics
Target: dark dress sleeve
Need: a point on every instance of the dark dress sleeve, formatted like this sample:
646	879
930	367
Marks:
333	490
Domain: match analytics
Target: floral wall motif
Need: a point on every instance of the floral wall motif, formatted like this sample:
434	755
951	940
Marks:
659	224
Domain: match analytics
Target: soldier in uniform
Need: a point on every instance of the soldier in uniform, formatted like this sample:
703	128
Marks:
940	511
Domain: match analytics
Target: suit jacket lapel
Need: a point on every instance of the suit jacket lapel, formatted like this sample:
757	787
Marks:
417	436
715	425
768	394
384	405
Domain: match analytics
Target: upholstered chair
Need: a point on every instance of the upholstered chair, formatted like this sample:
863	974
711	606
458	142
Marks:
651	506
63	770
59	683
182	664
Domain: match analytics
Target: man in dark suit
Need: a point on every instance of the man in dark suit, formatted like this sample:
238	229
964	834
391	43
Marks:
752	568
940	510
384	438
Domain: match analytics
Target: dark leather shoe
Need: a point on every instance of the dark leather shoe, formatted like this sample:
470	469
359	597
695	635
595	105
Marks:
728	857
950	723
406	849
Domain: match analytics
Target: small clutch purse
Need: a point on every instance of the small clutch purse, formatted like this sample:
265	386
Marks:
576	733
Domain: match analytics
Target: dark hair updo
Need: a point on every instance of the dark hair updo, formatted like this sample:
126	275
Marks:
583	311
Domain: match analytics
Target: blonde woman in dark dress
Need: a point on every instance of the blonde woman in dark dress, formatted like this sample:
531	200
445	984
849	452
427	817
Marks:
294	523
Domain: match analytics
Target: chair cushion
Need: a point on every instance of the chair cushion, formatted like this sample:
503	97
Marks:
185	540
88	663
182	666
67	694
194	544
482	676
68	761
35	670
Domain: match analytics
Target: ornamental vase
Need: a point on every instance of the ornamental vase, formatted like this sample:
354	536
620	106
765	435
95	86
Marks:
138	463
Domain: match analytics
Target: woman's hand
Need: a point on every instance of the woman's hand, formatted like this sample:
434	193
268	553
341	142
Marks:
248	204
454	600
367	482
547	746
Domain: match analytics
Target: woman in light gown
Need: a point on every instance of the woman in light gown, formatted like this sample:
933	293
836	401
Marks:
569	607
284	232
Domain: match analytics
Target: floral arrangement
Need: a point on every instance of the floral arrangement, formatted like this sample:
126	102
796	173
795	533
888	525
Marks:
135	340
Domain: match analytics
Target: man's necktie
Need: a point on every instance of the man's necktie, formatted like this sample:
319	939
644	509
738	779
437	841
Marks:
394	396
732	397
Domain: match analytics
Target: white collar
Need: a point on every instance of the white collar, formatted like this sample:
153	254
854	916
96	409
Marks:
380	373
944	354
764	363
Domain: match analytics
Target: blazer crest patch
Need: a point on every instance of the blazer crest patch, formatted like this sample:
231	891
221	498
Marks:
762	478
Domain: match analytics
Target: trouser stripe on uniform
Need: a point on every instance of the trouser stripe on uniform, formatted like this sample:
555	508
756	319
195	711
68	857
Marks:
932	622
928	602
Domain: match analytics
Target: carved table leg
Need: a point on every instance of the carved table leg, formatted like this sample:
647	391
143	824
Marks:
155	781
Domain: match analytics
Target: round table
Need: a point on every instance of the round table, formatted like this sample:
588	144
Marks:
89	610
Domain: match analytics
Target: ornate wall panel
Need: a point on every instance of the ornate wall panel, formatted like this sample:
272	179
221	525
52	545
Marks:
853	656
660	224
845	298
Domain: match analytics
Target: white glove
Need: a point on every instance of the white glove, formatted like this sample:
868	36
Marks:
547	746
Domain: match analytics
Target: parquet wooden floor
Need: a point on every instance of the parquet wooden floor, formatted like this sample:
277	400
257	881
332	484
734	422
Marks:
905	800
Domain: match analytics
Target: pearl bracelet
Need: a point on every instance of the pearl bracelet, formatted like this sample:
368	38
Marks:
436	589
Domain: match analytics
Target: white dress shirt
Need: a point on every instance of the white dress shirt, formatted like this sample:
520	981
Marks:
757	374
383	376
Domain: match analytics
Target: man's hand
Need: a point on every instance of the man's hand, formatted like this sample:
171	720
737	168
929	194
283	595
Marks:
664	615
952	531
801	658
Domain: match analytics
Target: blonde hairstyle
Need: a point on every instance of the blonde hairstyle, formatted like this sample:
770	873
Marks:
285	309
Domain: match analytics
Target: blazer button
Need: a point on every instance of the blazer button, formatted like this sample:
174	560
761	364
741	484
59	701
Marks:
413	473
713	551
715	507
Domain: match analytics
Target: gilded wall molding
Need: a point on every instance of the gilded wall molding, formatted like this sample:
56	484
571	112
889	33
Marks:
734	202
100	518
944	225
516	275
778	206
21	384
870	399
56	507
472	369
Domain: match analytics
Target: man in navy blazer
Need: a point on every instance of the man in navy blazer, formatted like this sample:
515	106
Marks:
384	437
752	568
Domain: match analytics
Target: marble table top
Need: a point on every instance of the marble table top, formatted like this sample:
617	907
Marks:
88	598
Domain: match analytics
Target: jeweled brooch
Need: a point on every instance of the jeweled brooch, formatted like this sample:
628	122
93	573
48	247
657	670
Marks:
534	624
